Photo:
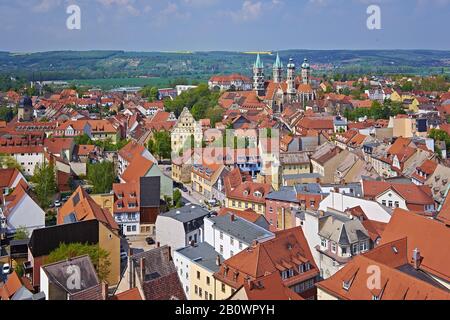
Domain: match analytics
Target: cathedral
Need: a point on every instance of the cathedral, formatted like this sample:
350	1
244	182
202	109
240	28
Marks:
279	91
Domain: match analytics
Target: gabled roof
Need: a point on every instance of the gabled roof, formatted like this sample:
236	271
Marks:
7	177
350	283
410	192
269	288
429	236
12	285
137	169
129	295
288	248
81	207
57	275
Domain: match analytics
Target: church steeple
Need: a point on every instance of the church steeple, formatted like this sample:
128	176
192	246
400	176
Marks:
306	72
278	70
291	90
259	81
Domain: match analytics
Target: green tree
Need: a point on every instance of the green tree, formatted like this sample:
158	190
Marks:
83	140
150	93
45	183
99	257
21	234
7	114
177	199
8	162
101	176
161	145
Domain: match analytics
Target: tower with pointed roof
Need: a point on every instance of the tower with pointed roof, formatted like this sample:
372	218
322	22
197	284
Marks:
306	72
25	110
278	70
258	77
291	90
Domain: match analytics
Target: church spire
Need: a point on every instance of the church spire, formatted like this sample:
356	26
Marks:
278	70
278	64
259	81
258	63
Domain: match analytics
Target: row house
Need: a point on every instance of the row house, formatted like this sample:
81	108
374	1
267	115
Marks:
28	153
207	178
126	207
409	259
248	195
398	195
233	82
283	205
326	159
287	255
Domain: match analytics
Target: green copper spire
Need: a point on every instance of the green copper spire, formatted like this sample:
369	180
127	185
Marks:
278	64
258	63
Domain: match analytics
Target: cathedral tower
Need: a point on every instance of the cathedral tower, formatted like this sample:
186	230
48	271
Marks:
291	91
306	72
278	70
259	81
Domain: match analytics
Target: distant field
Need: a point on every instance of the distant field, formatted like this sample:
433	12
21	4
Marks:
121	82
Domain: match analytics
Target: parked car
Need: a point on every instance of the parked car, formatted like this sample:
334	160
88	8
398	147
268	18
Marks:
57	204
6	269
150	241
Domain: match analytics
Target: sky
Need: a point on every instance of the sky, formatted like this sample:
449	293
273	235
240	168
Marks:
229	25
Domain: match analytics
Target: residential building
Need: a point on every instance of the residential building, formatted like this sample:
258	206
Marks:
230	234
233	82
126	207
287	255
204	177
154	274
401	278
81	207
55	285
398	195
180	227
248	195
20	211
196	267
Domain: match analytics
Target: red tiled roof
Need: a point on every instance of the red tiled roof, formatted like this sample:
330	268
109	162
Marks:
289	247
130	295
246	192
85	208
137	169
429	236
394	285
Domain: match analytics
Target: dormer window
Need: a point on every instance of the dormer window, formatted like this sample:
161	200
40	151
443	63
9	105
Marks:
346	285
258	194
375	298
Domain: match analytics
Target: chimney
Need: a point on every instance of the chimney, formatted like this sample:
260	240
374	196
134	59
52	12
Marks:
218	261
142	268
233	218
417	259
192	243
170	253
105	290
250	283
158	244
